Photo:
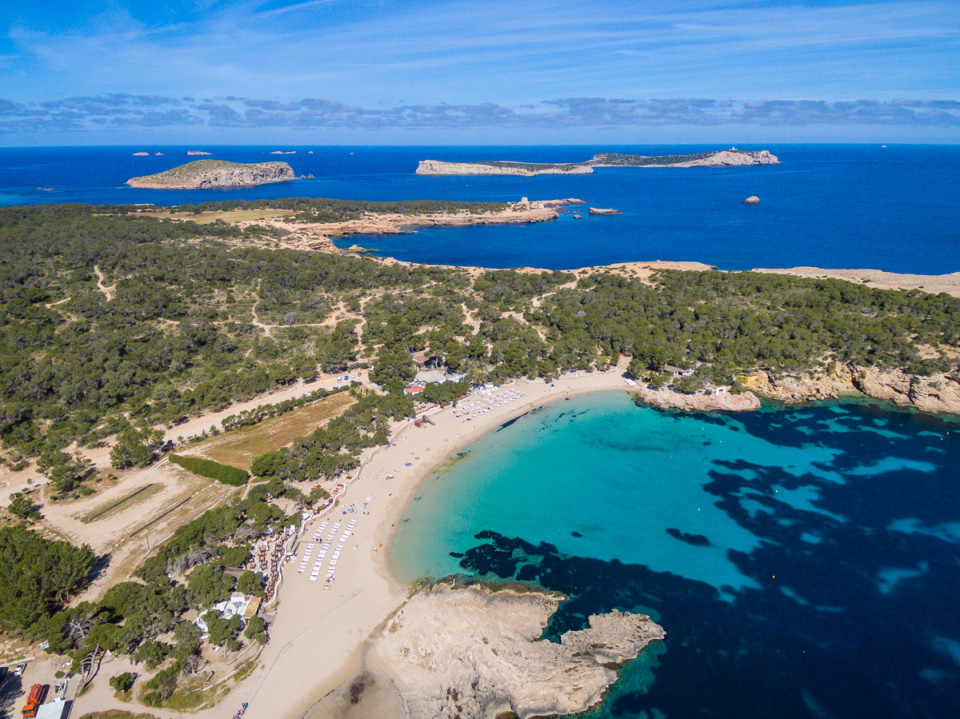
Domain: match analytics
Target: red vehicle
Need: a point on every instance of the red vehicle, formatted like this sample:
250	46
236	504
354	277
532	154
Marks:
37	694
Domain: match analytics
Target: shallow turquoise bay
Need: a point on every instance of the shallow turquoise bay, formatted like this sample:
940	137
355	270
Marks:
811	555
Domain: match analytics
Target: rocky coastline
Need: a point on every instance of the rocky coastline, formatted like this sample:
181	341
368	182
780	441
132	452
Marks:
320	235
476	652
937	393
215	174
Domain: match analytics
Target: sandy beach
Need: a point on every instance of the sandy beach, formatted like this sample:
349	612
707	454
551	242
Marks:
317	640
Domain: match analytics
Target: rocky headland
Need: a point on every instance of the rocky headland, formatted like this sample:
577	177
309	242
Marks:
939	393
320	235
212	174
720	158
476	652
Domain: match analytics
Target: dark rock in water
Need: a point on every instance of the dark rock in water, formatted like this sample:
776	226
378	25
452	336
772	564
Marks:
697	540
456	555
575	534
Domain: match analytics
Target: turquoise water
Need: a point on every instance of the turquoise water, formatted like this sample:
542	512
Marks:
804	562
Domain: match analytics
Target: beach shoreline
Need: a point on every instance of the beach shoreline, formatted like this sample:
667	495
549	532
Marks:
366	585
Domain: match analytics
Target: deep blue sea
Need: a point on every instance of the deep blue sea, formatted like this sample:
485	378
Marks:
893	208
805	562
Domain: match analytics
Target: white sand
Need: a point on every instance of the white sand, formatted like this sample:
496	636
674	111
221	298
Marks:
317	640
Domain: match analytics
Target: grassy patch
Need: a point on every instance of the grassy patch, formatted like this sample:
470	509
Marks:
189	696
117	714
123	504
240	447
228	216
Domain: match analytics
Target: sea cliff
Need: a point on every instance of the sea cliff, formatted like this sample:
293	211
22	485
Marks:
476	652
212	174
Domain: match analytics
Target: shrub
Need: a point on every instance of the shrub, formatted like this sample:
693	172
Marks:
213	470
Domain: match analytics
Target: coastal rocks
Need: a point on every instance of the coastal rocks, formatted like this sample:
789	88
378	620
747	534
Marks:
938	393
667	398
141	154
563	202
477	652
604	211
198	152
210	174
800	387
752	200
438	167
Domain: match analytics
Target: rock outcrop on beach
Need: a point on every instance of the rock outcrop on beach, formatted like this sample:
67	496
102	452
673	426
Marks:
476	652
720	158
699	402
211	174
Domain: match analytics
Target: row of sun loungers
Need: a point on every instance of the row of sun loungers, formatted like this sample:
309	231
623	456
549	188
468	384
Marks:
327	542
480	405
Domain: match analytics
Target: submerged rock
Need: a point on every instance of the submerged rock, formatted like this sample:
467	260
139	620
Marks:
476	652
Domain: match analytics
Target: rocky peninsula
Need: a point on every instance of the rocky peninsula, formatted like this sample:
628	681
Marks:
477	652
719	158
213	174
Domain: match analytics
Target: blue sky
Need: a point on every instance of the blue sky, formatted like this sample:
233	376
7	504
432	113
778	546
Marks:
491	72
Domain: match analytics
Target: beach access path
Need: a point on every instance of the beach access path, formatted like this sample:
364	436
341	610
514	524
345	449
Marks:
318	638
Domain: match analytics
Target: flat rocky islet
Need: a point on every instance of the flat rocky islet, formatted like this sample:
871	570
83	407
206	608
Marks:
213	174
720	158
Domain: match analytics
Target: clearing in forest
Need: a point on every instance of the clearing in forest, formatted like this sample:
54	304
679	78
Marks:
239	447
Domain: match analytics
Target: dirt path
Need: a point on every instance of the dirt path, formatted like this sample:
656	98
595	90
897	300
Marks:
107	291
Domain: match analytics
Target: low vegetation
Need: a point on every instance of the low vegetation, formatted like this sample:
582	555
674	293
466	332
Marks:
214	470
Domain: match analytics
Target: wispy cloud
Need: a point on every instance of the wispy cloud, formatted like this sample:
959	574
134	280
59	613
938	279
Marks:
116	111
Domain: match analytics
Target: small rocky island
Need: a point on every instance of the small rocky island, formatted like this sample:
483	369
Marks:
212	174
720	158
477	652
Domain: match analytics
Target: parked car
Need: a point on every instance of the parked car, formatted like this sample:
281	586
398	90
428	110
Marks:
18	672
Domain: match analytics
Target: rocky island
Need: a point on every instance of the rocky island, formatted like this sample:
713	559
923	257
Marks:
212	174
477	652
720	158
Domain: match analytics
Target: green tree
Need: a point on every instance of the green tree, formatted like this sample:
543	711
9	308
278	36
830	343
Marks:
121	682
23	507
250	583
